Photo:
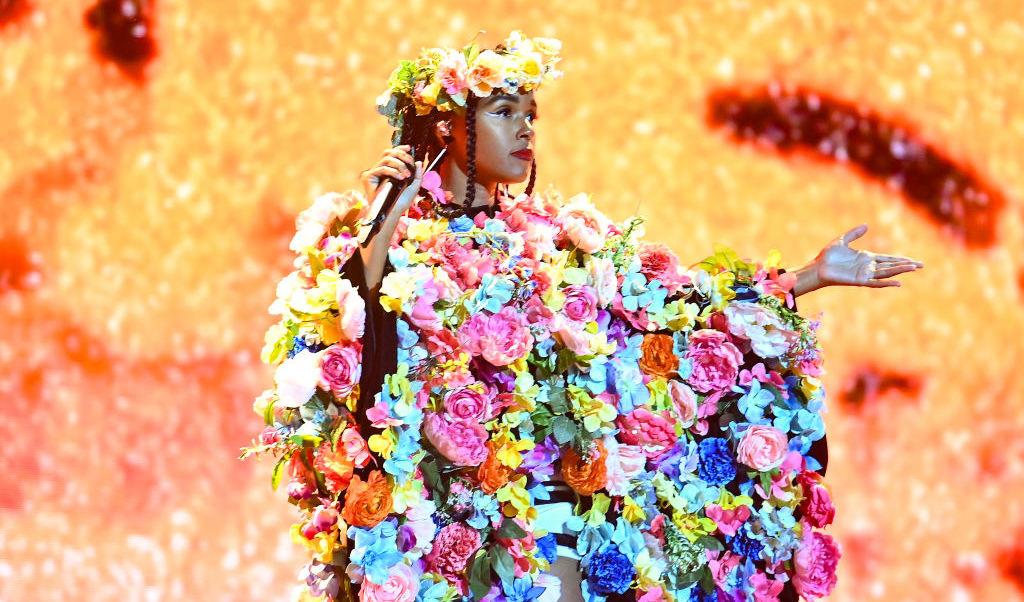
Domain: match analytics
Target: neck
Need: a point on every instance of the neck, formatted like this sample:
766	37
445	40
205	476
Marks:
454	179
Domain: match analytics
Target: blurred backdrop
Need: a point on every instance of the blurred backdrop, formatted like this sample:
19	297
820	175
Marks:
153	157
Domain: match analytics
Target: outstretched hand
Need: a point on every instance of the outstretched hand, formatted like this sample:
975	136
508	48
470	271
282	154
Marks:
840	265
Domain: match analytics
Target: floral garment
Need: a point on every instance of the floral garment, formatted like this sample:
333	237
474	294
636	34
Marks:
545	342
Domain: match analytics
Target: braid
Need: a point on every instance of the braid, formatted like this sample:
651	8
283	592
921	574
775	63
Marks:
533	177
470	153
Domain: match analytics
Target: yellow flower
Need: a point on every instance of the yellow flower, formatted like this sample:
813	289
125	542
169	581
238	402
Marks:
648	570
508	450
275	342
632	511
486	72
693	526
515	494
383	443
323	544
407	494
592	411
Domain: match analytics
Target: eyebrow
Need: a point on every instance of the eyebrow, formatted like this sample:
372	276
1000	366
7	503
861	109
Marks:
947	191
510	98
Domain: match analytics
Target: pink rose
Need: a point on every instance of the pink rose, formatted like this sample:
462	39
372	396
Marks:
655	433
355	447
583	225
684	400
816	562
817	503
466	404
453	546
715	360
352	311
765	588
762	447
461	442
580	303
402	585
768	335
341	368
500	338
658	262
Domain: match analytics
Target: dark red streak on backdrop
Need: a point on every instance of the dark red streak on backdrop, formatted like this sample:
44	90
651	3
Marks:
786	119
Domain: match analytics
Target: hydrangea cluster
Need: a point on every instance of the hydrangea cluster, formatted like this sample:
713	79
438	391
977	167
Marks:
546	342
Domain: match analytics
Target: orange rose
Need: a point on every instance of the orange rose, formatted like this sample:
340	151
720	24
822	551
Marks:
367	502
492	474
585	476
658	358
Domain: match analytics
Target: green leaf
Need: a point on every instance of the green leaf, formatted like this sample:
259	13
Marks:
556	399
275	477
502	563
268	413
480	576
707	583
563	428
510	530
710	542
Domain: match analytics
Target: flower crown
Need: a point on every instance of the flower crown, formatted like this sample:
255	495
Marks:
442	78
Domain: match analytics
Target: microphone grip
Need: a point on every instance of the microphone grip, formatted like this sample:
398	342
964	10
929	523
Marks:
390	197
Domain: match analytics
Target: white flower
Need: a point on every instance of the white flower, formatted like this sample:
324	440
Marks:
296	378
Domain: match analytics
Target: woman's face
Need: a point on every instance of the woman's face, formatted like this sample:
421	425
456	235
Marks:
504	125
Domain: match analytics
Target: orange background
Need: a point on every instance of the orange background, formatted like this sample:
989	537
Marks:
145	222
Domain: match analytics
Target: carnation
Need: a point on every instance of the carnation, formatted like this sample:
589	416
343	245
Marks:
816	562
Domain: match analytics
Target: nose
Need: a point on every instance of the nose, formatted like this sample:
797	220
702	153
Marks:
525	131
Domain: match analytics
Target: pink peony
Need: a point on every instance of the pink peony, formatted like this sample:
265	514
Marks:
466	404
461	442
762	447
684	400
816	562
500	338
766	332
402	585
658	262
570	335
341	368
715	360
580	303
655	433
453	546
817	503
352	311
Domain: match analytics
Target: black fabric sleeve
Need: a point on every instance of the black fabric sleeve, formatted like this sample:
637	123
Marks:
380	341
819	449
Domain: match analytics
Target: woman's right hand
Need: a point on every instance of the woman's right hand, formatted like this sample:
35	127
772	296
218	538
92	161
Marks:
398	163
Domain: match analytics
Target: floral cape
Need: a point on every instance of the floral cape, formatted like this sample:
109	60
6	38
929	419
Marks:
546	343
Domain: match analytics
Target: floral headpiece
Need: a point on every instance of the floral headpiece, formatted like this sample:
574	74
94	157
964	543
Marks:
442	78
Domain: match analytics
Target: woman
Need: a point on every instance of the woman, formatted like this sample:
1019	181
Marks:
487	132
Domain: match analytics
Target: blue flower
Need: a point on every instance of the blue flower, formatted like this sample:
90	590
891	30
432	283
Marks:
460	224
609	572
493	294
485	509
401	464
375	550
744	544
697	594
717	466
520	590
548	548
755	402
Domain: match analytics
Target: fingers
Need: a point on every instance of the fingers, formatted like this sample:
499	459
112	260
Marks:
403	153
887	271
882	283
898	259
853	234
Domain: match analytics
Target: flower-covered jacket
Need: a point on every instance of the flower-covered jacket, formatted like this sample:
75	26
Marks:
546	343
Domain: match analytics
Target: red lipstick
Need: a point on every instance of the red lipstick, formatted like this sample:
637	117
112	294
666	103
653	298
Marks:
525	154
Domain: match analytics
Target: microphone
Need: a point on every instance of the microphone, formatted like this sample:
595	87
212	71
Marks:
387	196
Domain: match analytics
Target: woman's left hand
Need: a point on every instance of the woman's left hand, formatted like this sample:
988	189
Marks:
839	265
